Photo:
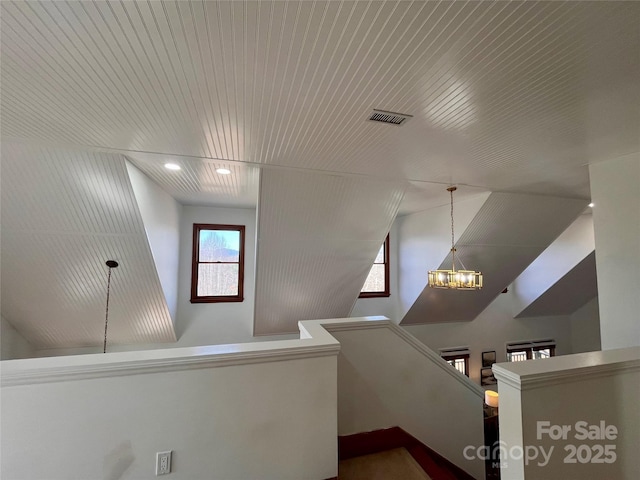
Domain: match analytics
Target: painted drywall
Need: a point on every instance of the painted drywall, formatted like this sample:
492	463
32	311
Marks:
386	306
598	388
615	192
492	330
273	420
585	328
205	323
215	323
424	241
384	381
161	218
318	236
567	251
13	345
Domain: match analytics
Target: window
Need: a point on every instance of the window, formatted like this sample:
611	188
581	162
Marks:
458	358
217	271
521	351
377	283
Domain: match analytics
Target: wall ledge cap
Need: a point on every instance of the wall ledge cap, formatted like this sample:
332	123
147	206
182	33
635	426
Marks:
80	367
366	323
568	368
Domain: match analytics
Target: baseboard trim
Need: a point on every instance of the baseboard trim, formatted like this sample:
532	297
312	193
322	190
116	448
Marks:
366	443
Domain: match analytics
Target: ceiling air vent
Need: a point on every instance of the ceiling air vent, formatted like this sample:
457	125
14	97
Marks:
391	118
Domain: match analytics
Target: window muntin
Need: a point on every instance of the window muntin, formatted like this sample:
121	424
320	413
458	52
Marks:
458	358
521	351
542	353
377	282
517	356
217	271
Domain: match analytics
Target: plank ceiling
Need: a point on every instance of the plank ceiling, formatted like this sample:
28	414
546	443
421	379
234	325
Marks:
318	236
506	235
572	291
514	96
505	96
64	213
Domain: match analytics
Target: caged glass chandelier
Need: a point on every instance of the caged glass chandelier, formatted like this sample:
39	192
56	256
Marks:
455	279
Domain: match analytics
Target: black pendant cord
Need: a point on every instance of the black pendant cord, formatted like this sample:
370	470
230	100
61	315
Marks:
453	247
111	264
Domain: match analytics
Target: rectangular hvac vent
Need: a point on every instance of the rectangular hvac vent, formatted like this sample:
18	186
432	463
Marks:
391	118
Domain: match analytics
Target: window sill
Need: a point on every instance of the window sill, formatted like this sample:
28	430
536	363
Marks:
374	295
216	299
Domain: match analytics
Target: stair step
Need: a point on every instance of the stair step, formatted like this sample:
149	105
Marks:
430	465
363	444
395	464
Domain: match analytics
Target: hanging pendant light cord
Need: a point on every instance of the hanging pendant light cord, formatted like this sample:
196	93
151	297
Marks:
453	249
106	313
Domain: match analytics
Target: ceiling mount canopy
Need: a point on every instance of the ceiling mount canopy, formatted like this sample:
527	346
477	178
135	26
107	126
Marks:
455	279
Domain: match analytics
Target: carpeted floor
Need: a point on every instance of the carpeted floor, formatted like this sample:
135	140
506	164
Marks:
396	464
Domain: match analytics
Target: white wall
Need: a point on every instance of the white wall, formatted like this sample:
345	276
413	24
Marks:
585	328
492	330
566	251
424	241
416	247
387	306
270	420
205	323
13	344
385	381
590	387
161	217
215	323
615	192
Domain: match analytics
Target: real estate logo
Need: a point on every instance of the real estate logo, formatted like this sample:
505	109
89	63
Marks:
602	451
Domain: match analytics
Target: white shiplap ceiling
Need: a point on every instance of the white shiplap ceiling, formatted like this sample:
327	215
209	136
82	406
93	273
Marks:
572	291
198	183
505	96
64	213
514	96
506	235
318	236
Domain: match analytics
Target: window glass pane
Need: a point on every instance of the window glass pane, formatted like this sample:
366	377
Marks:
520	356
380	257
542	353
219	246
460	365
375	280
217	279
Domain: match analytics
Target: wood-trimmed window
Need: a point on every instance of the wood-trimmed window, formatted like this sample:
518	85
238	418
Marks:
521	351
377	283
217	268
458	358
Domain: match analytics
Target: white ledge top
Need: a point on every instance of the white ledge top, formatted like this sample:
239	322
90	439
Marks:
566	368
315	341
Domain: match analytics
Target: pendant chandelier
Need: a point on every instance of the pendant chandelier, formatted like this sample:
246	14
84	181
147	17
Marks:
455	279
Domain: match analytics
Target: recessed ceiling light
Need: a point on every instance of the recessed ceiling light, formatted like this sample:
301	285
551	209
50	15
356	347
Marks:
172	166
223	171
591	204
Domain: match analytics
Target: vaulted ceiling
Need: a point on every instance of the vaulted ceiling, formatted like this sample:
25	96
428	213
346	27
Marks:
64	213
511	97
507	234
514	96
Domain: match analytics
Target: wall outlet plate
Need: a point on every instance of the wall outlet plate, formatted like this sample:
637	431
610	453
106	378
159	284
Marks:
163	463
